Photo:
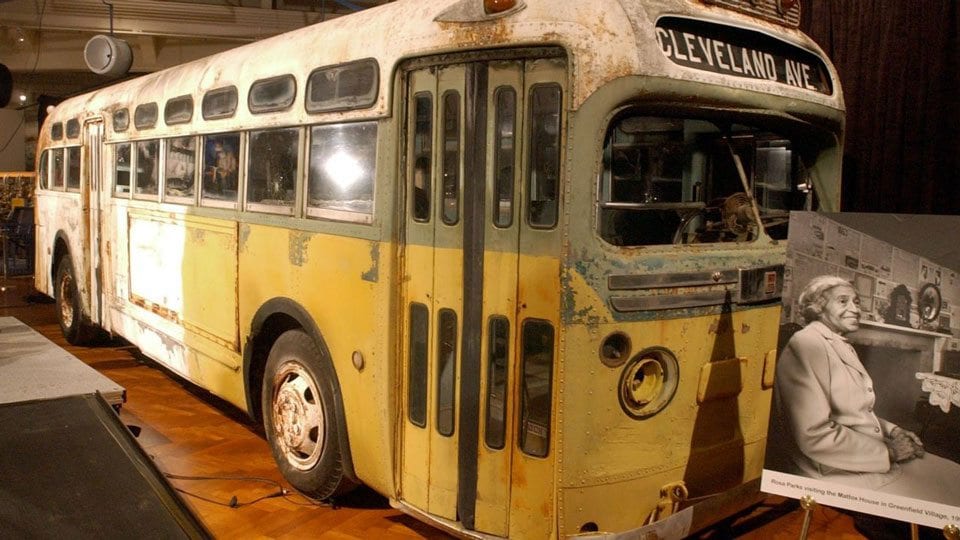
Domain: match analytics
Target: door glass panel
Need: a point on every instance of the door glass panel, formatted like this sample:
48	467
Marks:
499	350
447	370
451	157
536	387
417	385
544	171
422	155
504	151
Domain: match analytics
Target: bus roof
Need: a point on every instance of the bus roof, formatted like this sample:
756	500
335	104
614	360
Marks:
605	40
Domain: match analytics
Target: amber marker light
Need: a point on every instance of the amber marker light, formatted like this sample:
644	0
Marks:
498	6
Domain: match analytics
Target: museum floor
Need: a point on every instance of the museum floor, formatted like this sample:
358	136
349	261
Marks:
190	433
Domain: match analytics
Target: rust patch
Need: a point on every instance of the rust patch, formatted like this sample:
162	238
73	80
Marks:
297	248
166	313
197	235
745	328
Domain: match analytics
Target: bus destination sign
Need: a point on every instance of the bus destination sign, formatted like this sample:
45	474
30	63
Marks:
740	53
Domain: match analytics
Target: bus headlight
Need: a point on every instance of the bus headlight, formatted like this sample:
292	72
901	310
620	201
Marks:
648	382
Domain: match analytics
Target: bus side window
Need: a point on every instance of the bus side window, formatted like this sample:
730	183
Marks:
147	179
56	167
422	156
73	168
220	169
544	169
179	171
44	173
272	168
535	391
121	171
343	160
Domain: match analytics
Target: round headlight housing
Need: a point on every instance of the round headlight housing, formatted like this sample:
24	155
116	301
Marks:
648	382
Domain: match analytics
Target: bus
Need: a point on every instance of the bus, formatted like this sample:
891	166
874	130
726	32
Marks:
513	264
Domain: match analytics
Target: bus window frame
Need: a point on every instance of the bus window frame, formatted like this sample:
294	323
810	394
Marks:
298	174
131	170
208	202
53	169
332	214
134	180
174	199
67	165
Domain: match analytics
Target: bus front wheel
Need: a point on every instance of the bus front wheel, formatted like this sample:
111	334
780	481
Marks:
69	311
299	418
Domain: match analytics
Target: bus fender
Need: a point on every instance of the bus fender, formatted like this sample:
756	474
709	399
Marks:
274	317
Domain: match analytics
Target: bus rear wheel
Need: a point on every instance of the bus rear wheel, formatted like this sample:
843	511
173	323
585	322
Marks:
69	311
299	419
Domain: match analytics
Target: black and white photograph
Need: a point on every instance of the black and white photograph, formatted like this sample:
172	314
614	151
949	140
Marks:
867	384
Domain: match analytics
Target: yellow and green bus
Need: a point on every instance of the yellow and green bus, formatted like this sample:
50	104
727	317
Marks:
514	264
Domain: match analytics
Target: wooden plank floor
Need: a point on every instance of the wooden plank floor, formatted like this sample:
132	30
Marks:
190	432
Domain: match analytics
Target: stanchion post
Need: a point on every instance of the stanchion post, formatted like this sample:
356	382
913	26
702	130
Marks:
807	503
951	532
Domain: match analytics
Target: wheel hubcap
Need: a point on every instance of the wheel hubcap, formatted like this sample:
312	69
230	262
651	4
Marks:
66	300
298	416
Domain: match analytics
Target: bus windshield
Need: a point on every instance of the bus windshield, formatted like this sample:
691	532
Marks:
672	180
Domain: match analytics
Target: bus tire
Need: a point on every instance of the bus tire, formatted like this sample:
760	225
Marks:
299	418
69	310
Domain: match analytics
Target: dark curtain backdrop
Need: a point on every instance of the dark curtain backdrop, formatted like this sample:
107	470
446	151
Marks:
898	62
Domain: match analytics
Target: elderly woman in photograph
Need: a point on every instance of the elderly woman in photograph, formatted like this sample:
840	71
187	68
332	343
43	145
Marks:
825	400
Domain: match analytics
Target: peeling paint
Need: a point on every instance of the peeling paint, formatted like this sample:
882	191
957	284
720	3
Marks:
244	236
373	274
297	248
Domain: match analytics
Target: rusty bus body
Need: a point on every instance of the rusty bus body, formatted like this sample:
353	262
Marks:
518	271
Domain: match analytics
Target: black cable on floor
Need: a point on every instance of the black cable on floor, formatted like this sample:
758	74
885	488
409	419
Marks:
234	503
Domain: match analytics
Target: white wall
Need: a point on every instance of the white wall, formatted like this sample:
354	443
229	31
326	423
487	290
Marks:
13	156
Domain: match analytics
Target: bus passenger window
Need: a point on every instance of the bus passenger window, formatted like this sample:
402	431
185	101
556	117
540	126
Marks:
56	181
417	375
179	171
147	180
121	171
145	115
220	172
544	171
343	159
73	128
272	168
497	355
121	120
44	170
273	94
219	103
446	372
73	168
504	154
535	391
451	158
422	156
